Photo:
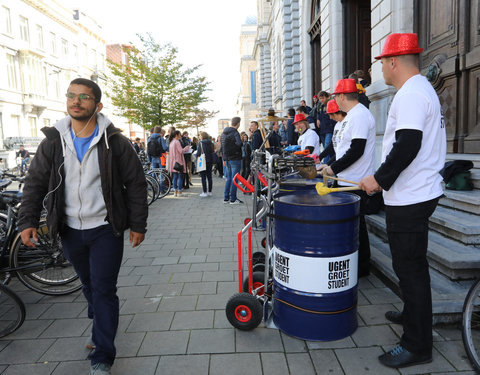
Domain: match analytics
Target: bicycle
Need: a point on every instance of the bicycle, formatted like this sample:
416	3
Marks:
471	325
42	269
163	179
12	311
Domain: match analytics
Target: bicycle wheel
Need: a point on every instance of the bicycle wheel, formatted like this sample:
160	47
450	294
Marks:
163	179
471	325
12	311
152	189
44	269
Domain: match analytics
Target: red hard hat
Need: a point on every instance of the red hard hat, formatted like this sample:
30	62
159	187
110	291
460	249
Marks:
345	86
298	118
400	44
332	107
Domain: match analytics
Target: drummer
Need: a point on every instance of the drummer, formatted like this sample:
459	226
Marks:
308	137
355	147
339	116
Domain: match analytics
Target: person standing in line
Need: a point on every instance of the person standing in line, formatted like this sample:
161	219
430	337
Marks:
413	153
232	160
185	141
283	133
155	150
274	139
355	151
205	146
176	158
324	123
291	135
246	156
88	178
256	135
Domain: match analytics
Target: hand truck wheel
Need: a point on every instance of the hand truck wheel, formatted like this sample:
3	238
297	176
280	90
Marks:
259	267
244	311
258	282
264	242
258	257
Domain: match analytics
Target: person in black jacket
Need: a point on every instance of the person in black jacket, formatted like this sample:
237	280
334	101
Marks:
232	160
257	139
88	178
292	136
325	124
205	147
246	155
275	140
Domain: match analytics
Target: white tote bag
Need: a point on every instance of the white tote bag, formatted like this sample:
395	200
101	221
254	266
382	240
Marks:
201	162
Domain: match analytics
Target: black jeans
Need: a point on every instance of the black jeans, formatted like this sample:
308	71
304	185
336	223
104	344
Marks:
96	255
206	175
407	229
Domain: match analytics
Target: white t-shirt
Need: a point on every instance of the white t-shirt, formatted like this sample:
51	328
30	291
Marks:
310	139
416	106
358	124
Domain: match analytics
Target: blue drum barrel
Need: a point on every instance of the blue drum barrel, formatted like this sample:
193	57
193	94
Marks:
315	260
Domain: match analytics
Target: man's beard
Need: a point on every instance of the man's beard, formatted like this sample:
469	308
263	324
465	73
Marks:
82	117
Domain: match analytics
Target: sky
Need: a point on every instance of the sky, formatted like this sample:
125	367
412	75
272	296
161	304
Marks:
205	32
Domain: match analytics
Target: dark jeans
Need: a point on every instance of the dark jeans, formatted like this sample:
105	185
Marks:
364	241
232	167
407	229
220	167
325	140
206	175
96	255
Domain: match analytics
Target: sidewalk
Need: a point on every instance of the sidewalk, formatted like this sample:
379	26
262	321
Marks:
173	290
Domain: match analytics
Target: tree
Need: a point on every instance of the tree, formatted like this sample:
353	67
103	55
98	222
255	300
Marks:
199	118
155	88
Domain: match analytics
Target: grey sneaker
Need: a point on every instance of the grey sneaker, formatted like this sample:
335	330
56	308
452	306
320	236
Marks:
238	201
89	344
100	369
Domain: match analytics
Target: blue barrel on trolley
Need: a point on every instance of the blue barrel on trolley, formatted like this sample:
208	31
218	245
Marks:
315	261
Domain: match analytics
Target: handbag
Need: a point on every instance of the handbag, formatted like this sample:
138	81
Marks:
178	167
201	162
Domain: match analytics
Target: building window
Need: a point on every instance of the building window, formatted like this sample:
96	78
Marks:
15	120
39	31
92	59
75	54
24	34
12	72
6	21
253	87
32	122
53	44
64	48
46	122
85	54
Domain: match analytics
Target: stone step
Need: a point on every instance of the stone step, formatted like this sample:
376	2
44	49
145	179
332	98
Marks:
449	257
447	296
459	225
468	201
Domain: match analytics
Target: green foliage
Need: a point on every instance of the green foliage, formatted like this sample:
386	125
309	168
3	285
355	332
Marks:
154	88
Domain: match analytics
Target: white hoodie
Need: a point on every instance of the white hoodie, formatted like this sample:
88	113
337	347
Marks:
84	204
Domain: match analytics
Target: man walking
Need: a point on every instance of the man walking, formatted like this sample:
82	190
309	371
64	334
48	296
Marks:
91	183
232	160
413	153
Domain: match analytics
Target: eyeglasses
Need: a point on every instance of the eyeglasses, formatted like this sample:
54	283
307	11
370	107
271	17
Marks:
81	97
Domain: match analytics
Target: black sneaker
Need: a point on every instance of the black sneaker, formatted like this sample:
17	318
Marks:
238	201
400	357
394	317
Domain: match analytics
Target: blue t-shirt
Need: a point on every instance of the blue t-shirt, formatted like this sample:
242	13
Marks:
82	144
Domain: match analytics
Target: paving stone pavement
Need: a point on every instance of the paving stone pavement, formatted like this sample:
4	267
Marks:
173	290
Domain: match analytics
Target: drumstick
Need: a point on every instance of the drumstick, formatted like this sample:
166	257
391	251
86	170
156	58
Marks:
340	179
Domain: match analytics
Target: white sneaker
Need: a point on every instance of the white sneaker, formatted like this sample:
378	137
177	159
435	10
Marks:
203	195
238	201
209	194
